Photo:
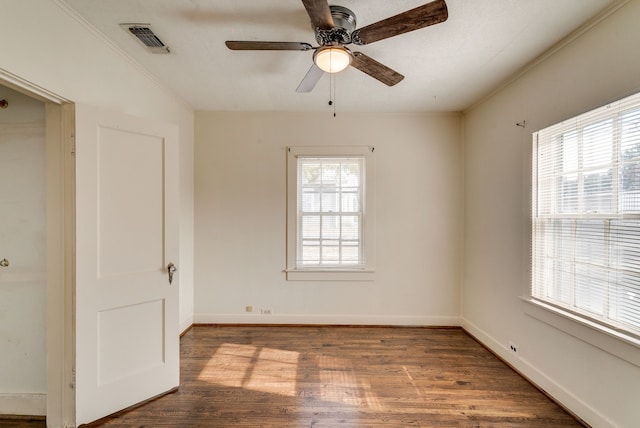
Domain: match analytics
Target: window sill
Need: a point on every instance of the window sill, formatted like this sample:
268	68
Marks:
611	341
330	275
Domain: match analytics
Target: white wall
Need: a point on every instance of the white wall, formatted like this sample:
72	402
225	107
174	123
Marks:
241	219
598	66
46	45
52	49
22	242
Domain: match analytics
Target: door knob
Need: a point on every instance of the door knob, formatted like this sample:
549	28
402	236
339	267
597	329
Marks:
4	263
171	268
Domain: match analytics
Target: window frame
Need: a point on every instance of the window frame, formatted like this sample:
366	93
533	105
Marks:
363	272
609	335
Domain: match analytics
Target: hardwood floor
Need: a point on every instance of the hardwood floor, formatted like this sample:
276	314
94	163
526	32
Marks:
23	422
252	376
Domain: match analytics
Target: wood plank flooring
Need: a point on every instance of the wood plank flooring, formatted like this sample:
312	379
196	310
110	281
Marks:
252	376
22	422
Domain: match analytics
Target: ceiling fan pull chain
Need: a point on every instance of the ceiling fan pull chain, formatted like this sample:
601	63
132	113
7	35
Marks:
334	94
332	87
330	92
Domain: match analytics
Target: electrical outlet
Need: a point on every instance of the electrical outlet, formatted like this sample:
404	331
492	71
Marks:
248	308
266	311
513	347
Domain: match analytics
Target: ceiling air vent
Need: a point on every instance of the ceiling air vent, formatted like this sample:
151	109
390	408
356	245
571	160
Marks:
147	37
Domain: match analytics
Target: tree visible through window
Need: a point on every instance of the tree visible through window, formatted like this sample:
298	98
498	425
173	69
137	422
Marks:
586	215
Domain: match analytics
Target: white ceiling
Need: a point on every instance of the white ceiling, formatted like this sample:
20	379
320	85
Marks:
447	67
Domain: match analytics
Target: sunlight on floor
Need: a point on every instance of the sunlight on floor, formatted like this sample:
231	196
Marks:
340	384
275	371
418	393
256	368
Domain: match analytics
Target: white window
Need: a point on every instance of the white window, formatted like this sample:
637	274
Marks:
330	216
586	216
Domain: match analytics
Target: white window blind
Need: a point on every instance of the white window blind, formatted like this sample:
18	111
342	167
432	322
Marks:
586	215
330	191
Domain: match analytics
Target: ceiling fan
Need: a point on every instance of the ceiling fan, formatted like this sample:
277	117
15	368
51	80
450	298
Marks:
335	27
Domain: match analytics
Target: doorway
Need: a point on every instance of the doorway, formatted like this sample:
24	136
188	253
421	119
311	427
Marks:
23	293
60	190
48	390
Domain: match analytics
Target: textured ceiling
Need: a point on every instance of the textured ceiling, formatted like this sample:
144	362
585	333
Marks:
447	67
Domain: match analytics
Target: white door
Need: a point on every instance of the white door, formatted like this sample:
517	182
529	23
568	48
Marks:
127	344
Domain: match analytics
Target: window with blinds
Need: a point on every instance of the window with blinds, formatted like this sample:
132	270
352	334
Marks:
586	215
330	213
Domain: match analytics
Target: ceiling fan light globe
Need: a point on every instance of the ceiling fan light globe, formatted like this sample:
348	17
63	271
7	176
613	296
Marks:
332	59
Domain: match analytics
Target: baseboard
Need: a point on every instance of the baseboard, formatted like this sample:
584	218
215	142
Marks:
30	404
322	319
185	325
540	380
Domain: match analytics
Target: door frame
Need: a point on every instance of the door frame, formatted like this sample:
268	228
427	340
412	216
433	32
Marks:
60	247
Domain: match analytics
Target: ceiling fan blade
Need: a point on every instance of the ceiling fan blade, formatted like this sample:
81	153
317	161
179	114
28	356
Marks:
311	79
238	45
319	13
414	19
375	69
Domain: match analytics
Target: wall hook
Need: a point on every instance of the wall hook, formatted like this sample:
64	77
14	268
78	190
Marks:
522	124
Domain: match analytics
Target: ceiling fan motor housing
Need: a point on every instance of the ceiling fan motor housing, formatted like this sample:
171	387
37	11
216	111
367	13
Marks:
344	21
343	18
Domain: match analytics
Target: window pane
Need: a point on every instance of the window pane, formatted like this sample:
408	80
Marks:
559	278
350	200
590	242
350	253
630	199
598	191
591	287
350	227
330	254
310	173
330	227
330	174
350	174
630	135
310	200
628	296
625	256
630	156
330	201
310	227
569	152
569	193
597	144
625	247
311	254
559	238
330	188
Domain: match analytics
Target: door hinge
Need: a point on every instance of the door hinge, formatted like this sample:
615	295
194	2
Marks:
72	383
72	142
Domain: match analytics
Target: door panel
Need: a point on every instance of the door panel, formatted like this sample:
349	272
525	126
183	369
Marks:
127	346
143	326
122	184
